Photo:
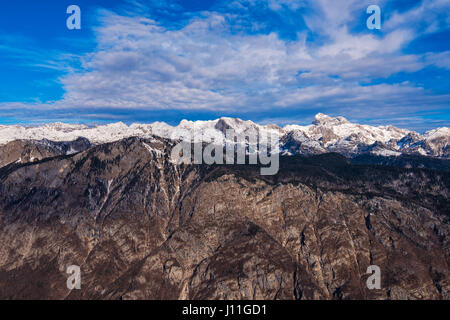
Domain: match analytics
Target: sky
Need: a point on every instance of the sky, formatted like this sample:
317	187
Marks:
270	61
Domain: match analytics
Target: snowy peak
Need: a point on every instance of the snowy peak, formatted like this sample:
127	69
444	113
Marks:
337	134
223	125
434	143
238	125
64	127
438	133
325	134
340	128
323	119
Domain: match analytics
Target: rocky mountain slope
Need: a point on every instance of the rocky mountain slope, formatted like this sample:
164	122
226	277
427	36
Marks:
141	227
326	134
23	151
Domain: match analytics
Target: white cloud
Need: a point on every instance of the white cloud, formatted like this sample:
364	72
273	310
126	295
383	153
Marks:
422	18
441	59
139	64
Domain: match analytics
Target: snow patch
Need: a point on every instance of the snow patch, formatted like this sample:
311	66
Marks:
152	150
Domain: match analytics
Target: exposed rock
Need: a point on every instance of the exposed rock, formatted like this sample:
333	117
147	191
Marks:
141	227
23	151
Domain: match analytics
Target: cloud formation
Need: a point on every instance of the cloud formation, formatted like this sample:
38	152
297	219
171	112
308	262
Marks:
216	61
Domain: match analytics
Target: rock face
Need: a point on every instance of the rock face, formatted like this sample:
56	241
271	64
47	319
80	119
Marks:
141	227
23	151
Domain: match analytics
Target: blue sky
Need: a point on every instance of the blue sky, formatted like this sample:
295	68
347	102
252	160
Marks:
270	61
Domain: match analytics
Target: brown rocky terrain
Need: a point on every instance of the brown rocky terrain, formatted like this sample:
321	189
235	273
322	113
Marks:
141	227
23	151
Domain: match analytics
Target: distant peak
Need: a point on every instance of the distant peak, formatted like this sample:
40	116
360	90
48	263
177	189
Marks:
114	125
225	123
231	120
185	122
321	118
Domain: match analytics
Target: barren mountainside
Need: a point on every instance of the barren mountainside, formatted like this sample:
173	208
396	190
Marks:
22	151
141	227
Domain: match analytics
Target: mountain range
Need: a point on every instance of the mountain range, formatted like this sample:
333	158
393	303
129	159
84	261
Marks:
110	200
325	134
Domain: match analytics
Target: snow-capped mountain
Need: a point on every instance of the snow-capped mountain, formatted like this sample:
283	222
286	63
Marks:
325	134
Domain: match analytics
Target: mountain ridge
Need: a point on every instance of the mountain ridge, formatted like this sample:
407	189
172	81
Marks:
325	134
141	227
